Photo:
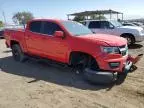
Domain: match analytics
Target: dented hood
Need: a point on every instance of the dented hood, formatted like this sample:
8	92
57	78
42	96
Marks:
110	40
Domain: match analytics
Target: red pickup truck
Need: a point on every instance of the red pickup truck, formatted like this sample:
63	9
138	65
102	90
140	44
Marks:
68	42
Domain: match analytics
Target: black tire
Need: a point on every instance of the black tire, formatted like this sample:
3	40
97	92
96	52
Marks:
17	53
130	39
81	62
121	78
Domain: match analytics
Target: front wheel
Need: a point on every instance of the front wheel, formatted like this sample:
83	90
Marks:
88	62
17	53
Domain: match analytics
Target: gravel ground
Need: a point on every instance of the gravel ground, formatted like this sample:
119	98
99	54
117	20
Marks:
38	85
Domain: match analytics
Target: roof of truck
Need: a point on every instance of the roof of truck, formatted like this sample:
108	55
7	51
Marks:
47	20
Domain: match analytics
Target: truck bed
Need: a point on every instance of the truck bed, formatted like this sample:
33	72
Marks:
14	34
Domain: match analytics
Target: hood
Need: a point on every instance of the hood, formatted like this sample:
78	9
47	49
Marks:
132	27
110	40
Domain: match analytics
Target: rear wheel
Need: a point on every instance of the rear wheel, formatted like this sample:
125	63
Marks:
17	53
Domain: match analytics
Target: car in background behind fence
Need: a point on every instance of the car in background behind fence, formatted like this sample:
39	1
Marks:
131	33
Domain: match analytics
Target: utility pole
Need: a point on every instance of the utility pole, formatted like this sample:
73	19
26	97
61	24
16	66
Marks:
3	13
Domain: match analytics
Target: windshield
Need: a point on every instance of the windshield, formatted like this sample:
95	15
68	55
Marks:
116	23
75	28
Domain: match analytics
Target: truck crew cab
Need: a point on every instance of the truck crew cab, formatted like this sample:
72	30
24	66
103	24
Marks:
68	42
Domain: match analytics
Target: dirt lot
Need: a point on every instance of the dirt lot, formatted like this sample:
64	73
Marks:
39	85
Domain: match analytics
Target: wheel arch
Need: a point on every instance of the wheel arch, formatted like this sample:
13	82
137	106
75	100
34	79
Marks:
12	42
127	34
130	35
74	54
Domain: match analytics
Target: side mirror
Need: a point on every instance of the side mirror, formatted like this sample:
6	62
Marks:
59	34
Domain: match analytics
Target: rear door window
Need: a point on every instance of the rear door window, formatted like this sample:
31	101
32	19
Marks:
36	26
49	28
95	24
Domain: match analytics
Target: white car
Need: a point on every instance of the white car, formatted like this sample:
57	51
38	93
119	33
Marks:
131	33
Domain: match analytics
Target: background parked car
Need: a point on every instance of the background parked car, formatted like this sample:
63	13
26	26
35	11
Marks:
131	33
138	24
128	24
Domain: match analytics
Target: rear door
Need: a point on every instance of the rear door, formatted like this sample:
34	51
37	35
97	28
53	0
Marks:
34	38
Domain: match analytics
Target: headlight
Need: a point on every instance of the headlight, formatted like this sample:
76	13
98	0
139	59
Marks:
110	50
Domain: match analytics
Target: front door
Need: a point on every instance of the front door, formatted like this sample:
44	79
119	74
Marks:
95	27
101	27
54	47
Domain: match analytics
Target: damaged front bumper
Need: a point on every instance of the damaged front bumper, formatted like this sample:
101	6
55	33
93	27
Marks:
127	66
105	77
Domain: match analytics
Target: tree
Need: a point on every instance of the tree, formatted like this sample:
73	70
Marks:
1	24
78	18
22	17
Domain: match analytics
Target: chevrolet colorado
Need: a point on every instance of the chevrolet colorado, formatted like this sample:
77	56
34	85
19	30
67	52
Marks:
70	43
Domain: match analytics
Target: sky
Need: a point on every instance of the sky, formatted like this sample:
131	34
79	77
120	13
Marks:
60	8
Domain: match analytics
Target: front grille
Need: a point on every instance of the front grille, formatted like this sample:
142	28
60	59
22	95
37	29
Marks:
123	50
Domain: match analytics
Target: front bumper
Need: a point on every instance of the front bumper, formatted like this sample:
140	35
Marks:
104	77
139	38
127	66
105	60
